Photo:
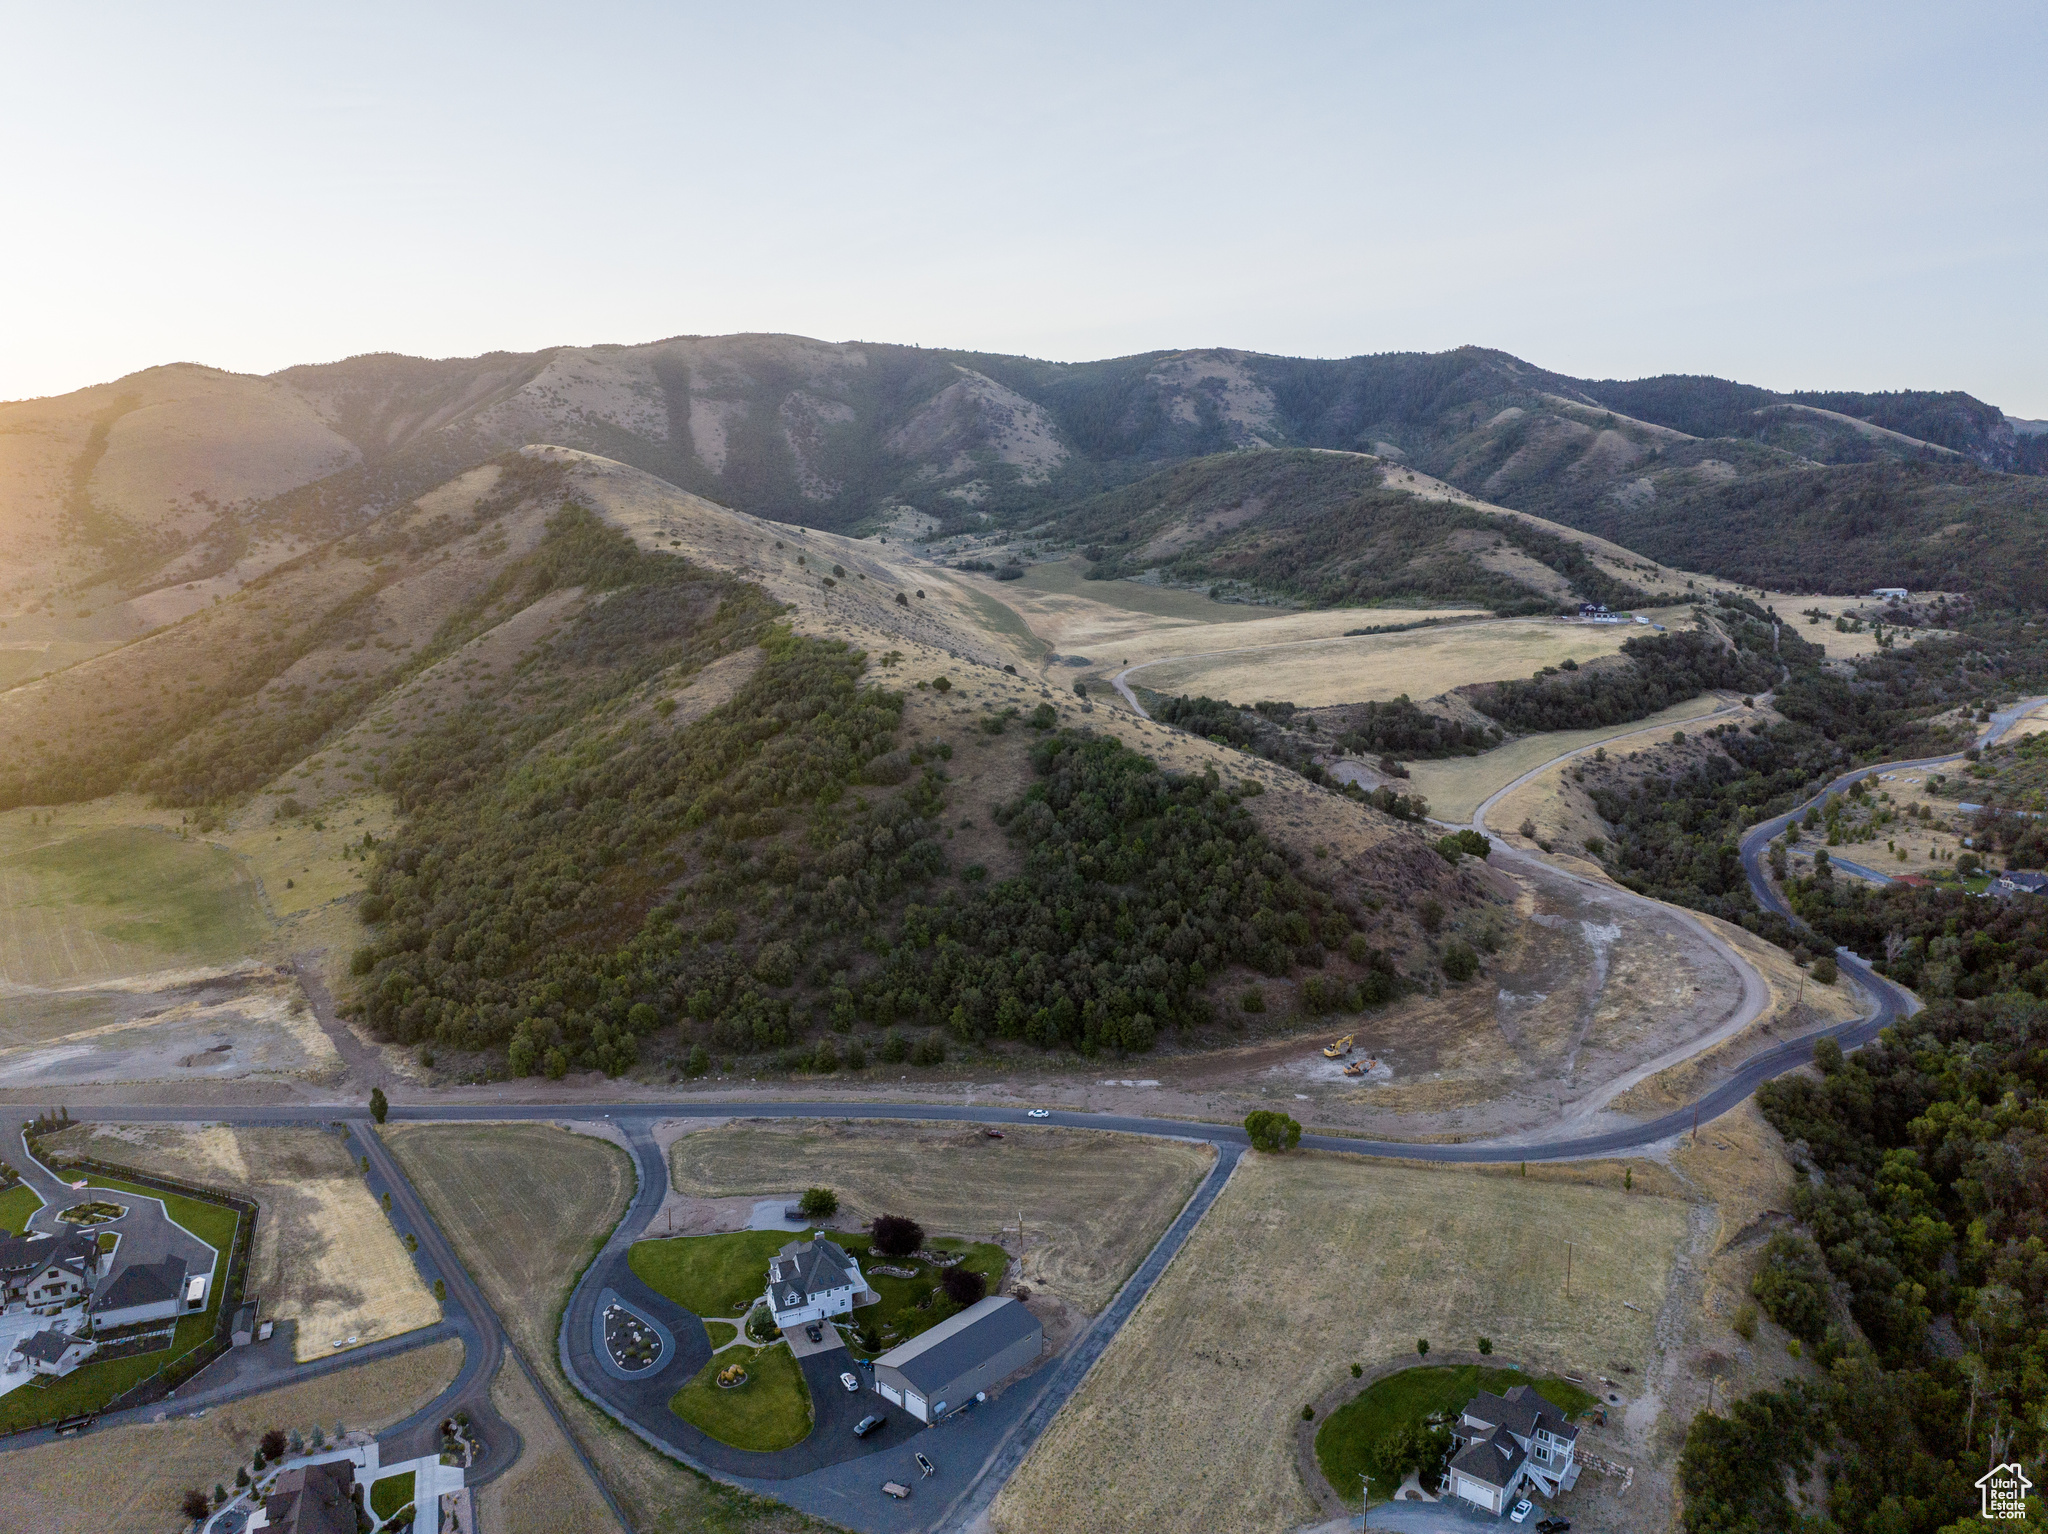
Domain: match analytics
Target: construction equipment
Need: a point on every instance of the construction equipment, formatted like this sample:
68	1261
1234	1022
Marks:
1355	1068
1339	1049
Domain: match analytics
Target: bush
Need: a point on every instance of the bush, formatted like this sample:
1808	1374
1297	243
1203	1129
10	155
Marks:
1271	1131
1486	1346
699	1061
1824	969
1792	1286
895	1048
194	1504
1430	913
1422	1346
1460	962
897	1235
930	1050
963	1285
1308	1414
818	1203
1253	999
1467	843
379	1106
1745	1321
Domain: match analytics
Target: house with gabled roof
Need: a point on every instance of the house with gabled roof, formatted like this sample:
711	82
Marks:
142	1291
1506	1443
54	1352
310	1499
38	1269
813	1281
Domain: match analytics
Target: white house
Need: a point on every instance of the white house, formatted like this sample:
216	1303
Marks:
143	1291
1508	1442
54	1352
48	1270
1890	593
813	1281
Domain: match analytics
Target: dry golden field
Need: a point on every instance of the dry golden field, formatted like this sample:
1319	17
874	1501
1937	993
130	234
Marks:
1306	1264
326	1256
526	1205
127	1480
547	1489
1420	663
1093	1204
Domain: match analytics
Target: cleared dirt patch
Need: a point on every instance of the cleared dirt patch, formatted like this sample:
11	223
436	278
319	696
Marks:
325	1254
1419	663
1308	1264
127	1480
1092	1204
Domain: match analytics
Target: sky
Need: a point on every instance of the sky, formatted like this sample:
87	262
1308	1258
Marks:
1797	196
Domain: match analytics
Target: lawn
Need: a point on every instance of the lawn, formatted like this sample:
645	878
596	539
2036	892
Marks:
709	1275
1305	1265
390	1494
16	1205
715	1276
1345	1441
772	1410
92	1385
1093	1203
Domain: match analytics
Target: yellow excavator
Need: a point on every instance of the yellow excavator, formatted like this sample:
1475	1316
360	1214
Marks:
1355	1068
1339	1049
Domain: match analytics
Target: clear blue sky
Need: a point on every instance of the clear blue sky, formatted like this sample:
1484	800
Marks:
1798	196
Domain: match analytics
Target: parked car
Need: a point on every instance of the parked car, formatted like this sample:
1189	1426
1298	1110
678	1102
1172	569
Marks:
895	1489
993	1134
1039	1113
815	1332
1554	1526
1522	1510
849	1382
868	1424
926	1466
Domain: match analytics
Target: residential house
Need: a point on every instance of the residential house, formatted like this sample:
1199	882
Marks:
310	1499
813	1281
53	1352
48	1270
942	1369
1506	1443
2015	881
142	1291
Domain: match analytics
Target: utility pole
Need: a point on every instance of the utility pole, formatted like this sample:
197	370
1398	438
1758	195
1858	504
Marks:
1567	1270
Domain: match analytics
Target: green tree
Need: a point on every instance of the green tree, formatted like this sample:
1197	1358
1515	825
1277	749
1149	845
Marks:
1460	962
1422	1346
818	1204
379	1107
1271	1131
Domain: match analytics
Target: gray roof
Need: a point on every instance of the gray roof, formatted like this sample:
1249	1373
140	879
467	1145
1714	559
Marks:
1493	1460
27	1254
314	1499
142	1283
45	1347
2035	883
1521	1411
934	1359
811	1267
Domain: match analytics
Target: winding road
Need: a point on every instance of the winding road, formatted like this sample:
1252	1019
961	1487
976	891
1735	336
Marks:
988	1445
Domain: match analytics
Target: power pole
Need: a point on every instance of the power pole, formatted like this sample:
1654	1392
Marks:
1567	1270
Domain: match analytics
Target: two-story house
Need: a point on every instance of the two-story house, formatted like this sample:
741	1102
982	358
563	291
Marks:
1508	1442
814	1281
48	1270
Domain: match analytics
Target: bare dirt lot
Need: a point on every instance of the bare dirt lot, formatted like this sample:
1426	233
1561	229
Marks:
325	1255
547	1489
1092	1204
1305	1265
127	1480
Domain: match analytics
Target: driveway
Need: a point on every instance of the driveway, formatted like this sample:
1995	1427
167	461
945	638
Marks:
147	1231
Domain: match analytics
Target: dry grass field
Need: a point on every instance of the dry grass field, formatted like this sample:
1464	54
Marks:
1456	786
1093	1204
1420	663
127	1480
525	1206
547	1490
1305	1265
326	1256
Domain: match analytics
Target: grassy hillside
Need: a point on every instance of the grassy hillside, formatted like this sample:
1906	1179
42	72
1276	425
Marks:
1329	529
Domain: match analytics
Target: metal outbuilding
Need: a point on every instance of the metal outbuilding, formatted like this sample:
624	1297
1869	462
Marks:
941	1370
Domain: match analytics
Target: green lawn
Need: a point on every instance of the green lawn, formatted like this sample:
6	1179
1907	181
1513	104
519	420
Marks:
898	1313
772	1410
1348	1434
390	1494
92	1385
16	1205
709	1275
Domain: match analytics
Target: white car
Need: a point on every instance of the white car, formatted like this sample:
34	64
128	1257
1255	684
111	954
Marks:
1039	1113
1522	1510
849	1382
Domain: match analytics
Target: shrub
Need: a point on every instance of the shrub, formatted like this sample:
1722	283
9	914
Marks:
1486	1346
939	683
818	1203
930	1050
895	1048
856	1056
1824	969
379	1106
1358	1371
1745	1321
1253	999
1271	1131
1422	1346
1308	1414
1466	843
1792	1286
1460	962
194	1504
1430	912
897	1235
699	1061
273	1444
1043	717
963	1285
